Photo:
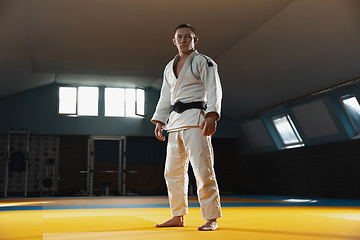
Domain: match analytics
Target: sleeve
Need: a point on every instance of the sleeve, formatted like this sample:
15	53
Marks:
162	111
213	92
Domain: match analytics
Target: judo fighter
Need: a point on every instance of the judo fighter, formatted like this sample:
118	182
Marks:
188	108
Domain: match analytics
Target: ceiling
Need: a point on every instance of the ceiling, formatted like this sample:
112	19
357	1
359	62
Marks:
268	52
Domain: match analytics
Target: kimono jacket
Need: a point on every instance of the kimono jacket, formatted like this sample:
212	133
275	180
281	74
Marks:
198	81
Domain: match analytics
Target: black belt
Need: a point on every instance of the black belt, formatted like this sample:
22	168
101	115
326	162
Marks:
180	107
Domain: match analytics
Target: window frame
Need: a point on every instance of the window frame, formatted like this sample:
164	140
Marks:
349	95
137	115
58	104
76	114
300	142
136	103
77	102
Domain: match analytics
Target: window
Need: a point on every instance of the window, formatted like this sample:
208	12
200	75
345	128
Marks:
352	109
67	100
124	102
140	102
115	102
78	101
130	102
88	101
84	101
287	131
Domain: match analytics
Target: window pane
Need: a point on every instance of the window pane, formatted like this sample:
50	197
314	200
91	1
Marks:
88	101
114	102
140	101
67	100
287	130
130	102
353	110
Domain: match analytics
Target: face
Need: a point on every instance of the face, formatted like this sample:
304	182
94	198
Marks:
185	40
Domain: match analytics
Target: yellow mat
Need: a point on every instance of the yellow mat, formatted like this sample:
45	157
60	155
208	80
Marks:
280	223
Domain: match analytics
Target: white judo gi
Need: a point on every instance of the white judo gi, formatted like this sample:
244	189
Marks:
197	81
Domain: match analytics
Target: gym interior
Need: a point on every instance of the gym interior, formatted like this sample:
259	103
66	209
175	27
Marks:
286	147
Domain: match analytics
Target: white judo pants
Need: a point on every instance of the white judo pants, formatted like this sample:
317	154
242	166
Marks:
184	146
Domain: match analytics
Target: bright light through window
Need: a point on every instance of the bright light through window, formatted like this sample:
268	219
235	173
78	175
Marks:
352	109
114	102
140	101
88	101
124	102
67	100
287	130
130	102
119	102
353	104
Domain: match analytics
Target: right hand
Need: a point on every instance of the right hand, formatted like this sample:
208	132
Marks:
159	131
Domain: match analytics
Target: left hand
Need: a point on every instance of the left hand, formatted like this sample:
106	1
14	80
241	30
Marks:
209	124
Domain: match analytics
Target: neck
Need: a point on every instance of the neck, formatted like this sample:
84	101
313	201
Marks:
186	54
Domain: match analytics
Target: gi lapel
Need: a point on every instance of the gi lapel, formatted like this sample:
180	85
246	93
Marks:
181	76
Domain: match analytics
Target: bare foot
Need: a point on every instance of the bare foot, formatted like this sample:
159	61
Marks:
210	225
176	221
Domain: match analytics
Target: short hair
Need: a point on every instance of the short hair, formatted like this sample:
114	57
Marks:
185	25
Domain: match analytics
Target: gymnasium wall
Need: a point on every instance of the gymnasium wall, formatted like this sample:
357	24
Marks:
37	109
322	171
145	158
319	119
326	166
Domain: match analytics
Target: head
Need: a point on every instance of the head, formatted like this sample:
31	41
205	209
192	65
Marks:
185	38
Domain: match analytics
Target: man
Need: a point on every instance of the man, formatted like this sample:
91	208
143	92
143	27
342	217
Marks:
188	108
